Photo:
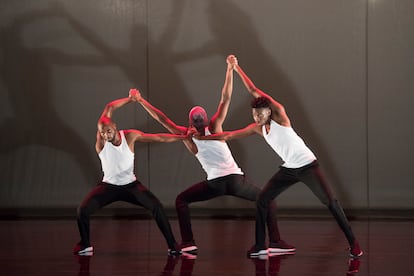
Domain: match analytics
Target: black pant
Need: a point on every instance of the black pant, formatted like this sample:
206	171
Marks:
135	193
312	176
233	184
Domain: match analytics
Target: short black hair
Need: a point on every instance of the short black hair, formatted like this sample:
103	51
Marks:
260	102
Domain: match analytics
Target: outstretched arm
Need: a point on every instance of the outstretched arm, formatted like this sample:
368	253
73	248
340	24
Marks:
218	118
139	136
112	106
231	135
278	110
159	116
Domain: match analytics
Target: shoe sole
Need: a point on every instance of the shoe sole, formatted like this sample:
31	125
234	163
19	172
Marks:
280	250
190	249
84	251
257	254
281	253
86	254
356	256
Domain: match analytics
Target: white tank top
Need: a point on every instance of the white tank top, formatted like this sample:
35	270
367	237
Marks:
288	145
117	162
215	157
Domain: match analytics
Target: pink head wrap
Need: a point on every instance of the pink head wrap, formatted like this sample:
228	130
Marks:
197	113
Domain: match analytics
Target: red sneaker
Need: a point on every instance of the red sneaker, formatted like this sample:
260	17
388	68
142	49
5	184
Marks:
355	251
190	247
83	250
256	251
280	247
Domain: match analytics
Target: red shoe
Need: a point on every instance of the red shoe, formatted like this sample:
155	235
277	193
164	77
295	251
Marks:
83	250
189	247
355	251
255	252
280	247
174	251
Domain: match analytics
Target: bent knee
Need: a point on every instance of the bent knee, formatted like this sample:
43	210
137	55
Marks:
180	201
262	202
82	211
331	203
157	206
88	208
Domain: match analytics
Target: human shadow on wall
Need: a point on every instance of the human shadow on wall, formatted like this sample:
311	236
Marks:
233	32
129	61
27	77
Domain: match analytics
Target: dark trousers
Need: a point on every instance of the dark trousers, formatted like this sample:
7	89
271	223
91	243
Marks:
234	185
312	177
135	193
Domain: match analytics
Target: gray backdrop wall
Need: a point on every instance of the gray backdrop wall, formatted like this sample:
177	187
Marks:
343	69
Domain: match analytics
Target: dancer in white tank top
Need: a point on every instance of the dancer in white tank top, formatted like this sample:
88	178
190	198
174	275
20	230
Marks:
116	151
215	158
299	164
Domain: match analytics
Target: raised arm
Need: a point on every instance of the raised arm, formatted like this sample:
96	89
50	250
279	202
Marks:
157	114
112	106
106	119
216	123
278	110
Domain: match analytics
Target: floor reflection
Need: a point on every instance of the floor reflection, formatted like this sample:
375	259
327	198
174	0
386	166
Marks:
129	247
353	266
273	262
186	268
84	262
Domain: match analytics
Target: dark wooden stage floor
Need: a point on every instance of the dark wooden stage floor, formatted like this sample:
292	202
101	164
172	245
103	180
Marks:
136	247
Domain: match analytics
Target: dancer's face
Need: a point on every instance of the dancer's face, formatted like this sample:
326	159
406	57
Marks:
108	132
261	115
199	123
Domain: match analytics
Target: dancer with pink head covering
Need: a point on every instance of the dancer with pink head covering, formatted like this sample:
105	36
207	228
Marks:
224	176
